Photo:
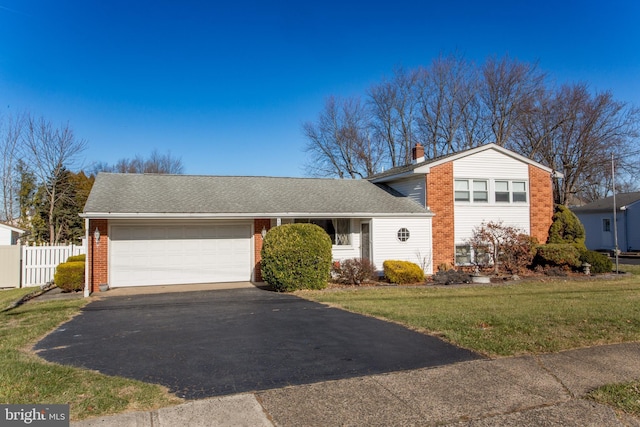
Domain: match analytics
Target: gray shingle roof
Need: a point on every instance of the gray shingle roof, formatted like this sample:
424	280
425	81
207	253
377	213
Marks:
606	204
241	195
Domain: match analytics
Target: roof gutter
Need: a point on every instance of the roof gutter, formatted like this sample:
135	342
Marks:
145	215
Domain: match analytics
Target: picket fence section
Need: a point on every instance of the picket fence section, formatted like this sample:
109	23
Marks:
39	262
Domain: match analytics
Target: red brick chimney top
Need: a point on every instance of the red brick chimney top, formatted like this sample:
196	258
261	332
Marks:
417	152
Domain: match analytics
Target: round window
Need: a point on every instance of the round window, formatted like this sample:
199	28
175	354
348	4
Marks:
403	234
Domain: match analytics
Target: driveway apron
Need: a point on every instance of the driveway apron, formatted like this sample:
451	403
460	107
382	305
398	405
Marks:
211	343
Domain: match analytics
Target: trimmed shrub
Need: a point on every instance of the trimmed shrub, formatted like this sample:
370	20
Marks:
69	276
566	228
354	271
558	255
296	256
77	258
600	263
402	272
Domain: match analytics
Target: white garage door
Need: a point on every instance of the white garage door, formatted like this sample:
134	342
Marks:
172	254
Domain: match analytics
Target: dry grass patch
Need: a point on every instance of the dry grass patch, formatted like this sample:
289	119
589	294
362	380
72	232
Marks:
26	378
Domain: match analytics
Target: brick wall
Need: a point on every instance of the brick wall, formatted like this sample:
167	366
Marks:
257	245
439	184
97	255
541	202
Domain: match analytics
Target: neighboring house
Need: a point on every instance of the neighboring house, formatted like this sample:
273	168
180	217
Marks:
9	235
465	189
598	221
172	229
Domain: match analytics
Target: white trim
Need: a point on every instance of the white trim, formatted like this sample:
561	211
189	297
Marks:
87	292
238	216
425	169
492	146
12	228
125	223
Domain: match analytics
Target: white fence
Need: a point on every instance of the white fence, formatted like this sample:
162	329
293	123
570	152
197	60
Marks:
39	262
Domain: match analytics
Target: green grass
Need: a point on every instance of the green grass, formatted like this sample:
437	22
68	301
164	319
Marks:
522	318
7	297
624	397
528	317
26	378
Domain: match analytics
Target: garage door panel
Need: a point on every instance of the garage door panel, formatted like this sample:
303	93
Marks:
154	255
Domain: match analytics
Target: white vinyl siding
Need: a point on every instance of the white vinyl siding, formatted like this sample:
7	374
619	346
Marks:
386	245
176	253
414	188
470	216
493	168
490	164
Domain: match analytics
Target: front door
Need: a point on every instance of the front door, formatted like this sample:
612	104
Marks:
365	240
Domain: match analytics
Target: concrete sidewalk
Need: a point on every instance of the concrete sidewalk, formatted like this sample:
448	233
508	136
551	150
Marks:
519	391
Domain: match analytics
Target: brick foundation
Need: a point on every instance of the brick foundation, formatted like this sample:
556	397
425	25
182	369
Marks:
439	184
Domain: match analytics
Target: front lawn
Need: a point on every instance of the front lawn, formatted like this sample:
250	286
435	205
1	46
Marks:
507	320
26	378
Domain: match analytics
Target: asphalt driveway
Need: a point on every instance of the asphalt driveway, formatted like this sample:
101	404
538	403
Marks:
209	343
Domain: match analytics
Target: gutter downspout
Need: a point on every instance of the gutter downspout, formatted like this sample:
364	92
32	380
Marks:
86	264
626	229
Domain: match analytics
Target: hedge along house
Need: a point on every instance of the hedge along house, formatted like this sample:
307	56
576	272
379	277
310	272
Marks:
465	189
179	229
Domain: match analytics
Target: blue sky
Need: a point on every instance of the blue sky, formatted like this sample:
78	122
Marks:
226	86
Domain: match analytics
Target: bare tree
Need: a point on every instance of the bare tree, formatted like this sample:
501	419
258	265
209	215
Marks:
10	133
392	105
338	142
156	163
163	163
507	90
382	101
446	94
51	151
452	105
575	132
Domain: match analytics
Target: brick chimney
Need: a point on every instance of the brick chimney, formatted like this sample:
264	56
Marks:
417	153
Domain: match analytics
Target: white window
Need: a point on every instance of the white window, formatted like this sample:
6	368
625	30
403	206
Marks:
338	229
502	191
463	193
480	191
519	192
462	190
463	255
510	191
403	234
481	256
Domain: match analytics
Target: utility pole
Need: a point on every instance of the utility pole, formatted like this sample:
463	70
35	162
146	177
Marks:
615	212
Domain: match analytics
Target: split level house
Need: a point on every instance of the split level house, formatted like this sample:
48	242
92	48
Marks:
178	229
